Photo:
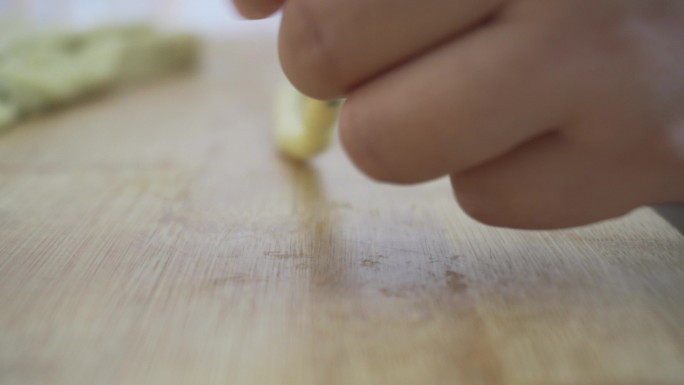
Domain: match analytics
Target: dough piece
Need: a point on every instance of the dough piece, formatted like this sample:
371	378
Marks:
303	126
8	114
155	55
39	71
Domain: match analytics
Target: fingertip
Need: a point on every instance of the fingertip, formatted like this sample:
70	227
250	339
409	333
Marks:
306	52
257	9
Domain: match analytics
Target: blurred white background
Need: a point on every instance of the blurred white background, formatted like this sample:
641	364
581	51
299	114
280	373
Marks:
205	16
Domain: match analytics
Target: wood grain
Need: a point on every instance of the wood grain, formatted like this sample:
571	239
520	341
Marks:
153	237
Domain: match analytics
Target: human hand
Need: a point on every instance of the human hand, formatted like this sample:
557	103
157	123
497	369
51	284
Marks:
544	114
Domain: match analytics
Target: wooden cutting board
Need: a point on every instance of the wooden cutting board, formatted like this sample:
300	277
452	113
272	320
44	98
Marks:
153	237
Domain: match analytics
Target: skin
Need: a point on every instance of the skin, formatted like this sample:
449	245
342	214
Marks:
544	114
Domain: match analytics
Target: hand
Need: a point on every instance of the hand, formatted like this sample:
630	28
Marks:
545	114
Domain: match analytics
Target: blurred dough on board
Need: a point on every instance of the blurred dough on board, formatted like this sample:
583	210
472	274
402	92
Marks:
41	70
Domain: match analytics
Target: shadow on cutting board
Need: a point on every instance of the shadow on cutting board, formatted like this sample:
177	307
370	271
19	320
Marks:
317	227
673	213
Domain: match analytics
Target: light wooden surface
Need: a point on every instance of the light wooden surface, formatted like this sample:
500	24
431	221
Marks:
153	237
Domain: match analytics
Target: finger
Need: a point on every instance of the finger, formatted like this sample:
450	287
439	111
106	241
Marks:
328	46
461	105
257	9
551	182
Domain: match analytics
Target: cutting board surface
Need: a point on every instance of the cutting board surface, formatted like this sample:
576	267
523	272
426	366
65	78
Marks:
153	237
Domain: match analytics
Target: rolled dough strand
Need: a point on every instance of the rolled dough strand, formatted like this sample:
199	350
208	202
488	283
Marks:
303	126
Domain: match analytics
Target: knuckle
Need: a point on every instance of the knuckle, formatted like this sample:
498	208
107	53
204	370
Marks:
307	50
480	202
500	203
